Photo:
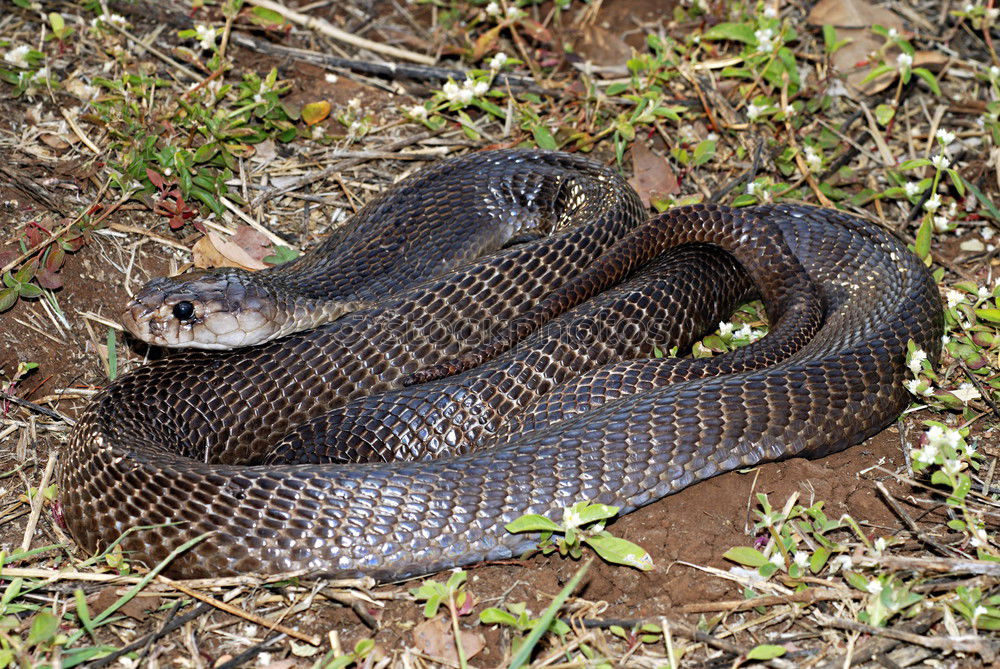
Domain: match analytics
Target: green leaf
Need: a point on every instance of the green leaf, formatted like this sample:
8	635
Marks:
43	628
766	652
745	555
704	152
592	512
738	32
620	551
495	616
991	314
57	23
818	559
914	164
884	113
616	88
543	138
532	522
30	290
922	245
8	296
926	75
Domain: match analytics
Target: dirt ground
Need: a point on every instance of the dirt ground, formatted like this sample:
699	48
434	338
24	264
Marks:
684	533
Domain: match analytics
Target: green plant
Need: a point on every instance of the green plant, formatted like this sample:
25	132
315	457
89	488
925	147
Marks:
583	523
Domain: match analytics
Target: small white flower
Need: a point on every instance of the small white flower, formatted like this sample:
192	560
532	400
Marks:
941	161
954	298
354	128
752	187
789	110
451	91
841	562
917	358
777	559
417	111
911	188
753	111
765	39
205	36
892	33
745	332
480	88
994	72
41	75
880	544
979	538
493	9
18	56
946	137
801	558
258	98
498	61
513	12
942	224
874	587
725	329
813	159
933	202
978	611
904	61
771	12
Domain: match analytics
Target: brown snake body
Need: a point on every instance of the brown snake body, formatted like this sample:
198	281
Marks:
251	444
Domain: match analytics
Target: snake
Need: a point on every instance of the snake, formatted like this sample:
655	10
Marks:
493	336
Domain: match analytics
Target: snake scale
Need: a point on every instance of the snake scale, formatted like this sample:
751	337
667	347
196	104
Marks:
306	448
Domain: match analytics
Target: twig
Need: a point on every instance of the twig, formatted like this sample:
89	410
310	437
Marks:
328	29
964	643
153	50
385	70
51	413
169	625
805	596
246	615
898	510
947	565
37	502
333	169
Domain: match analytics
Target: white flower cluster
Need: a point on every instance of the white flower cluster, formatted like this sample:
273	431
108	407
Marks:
937	438
729	331
765	39
466	92
205	35
813	159
18	56
904	62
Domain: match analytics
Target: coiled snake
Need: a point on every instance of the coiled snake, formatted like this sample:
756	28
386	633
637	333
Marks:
306	450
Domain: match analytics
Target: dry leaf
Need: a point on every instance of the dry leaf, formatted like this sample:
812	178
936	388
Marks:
852	20
652	176
601	46
435	638
314	112
213	250
137	607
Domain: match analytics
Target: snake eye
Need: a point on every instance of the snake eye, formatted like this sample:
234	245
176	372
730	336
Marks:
183	311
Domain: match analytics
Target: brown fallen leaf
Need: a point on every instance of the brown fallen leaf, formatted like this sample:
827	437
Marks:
600	46
245	249
652	176
852	21
137	607
435	638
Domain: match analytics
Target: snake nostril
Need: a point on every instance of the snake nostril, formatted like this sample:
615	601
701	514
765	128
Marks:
183	310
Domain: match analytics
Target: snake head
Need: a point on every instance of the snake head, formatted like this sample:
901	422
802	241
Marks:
217	309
